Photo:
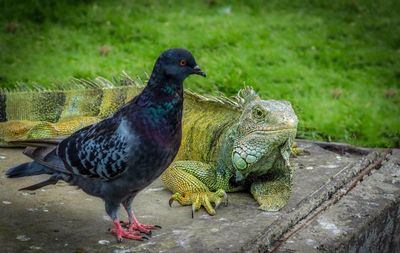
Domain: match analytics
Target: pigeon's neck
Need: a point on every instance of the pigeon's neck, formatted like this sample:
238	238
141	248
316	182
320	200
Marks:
161	103
162	89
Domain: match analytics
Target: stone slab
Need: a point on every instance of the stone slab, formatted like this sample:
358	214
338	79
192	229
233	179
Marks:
367	219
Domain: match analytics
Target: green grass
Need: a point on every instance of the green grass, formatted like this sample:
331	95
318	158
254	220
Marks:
338	62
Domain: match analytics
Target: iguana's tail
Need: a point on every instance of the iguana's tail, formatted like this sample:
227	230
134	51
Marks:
27	169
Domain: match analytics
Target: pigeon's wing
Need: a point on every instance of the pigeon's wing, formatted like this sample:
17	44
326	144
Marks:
100	150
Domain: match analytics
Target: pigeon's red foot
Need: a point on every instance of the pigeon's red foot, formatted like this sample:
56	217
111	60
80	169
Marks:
121	233
135	225
144	228
139	227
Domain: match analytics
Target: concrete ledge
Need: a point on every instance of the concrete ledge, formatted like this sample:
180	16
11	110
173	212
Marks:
330	210
366	219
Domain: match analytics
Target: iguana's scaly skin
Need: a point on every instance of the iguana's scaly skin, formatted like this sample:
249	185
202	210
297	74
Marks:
228	144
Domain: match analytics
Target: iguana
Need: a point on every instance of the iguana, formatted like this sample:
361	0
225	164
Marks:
228	144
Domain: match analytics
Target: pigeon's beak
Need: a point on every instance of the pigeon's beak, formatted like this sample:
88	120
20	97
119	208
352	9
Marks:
197	70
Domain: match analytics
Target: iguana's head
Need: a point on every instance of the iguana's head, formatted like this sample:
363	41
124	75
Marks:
266	127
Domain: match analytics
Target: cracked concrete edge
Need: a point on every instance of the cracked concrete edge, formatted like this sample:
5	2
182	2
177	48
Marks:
266	240
380	230
367	219
339	147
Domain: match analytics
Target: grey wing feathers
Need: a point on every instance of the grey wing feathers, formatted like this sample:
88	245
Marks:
99	151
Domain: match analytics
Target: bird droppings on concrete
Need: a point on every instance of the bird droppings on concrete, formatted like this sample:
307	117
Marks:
205	217
104	242
329	166
310	242
6	202
214	230
23	238
372	203
183	243
121	251
327	225
156	189
177	232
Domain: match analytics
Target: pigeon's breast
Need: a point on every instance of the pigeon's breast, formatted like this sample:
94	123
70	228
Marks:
145	167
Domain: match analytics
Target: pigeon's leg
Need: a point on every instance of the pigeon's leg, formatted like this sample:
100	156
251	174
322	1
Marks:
112	210
133	223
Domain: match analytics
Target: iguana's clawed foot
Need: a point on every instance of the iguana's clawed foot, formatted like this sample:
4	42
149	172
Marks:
199	199
296	151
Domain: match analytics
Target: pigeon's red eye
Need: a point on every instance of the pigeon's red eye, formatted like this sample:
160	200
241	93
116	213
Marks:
182	62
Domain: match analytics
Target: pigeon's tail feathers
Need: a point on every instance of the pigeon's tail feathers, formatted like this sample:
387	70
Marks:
51	180
27	169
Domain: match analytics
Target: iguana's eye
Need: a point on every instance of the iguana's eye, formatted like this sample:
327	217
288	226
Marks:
258	113
182	62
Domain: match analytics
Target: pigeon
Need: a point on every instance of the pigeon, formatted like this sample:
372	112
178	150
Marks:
119	156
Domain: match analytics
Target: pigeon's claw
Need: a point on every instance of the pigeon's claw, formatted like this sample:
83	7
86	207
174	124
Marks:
121	233
144	228
135	225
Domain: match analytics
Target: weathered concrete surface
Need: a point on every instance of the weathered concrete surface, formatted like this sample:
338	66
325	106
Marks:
367	219
61	218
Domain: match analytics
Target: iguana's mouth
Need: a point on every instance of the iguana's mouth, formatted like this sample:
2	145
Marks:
271	130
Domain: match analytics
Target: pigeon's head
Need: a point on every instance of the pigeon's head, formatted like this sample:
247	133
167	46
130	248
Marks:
177	64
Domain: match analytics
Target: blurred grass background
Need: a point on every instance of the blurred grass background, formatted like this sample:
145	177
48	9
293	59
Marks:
338	62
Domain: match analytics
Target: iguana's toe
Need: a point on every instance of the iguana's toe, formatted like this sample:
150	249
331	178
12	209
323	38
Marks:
271	208
297	151
221	196
199	199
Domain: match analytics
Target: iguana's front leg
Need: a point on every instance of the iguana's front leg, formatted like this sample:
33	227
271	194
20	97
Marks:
272	194
191	183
